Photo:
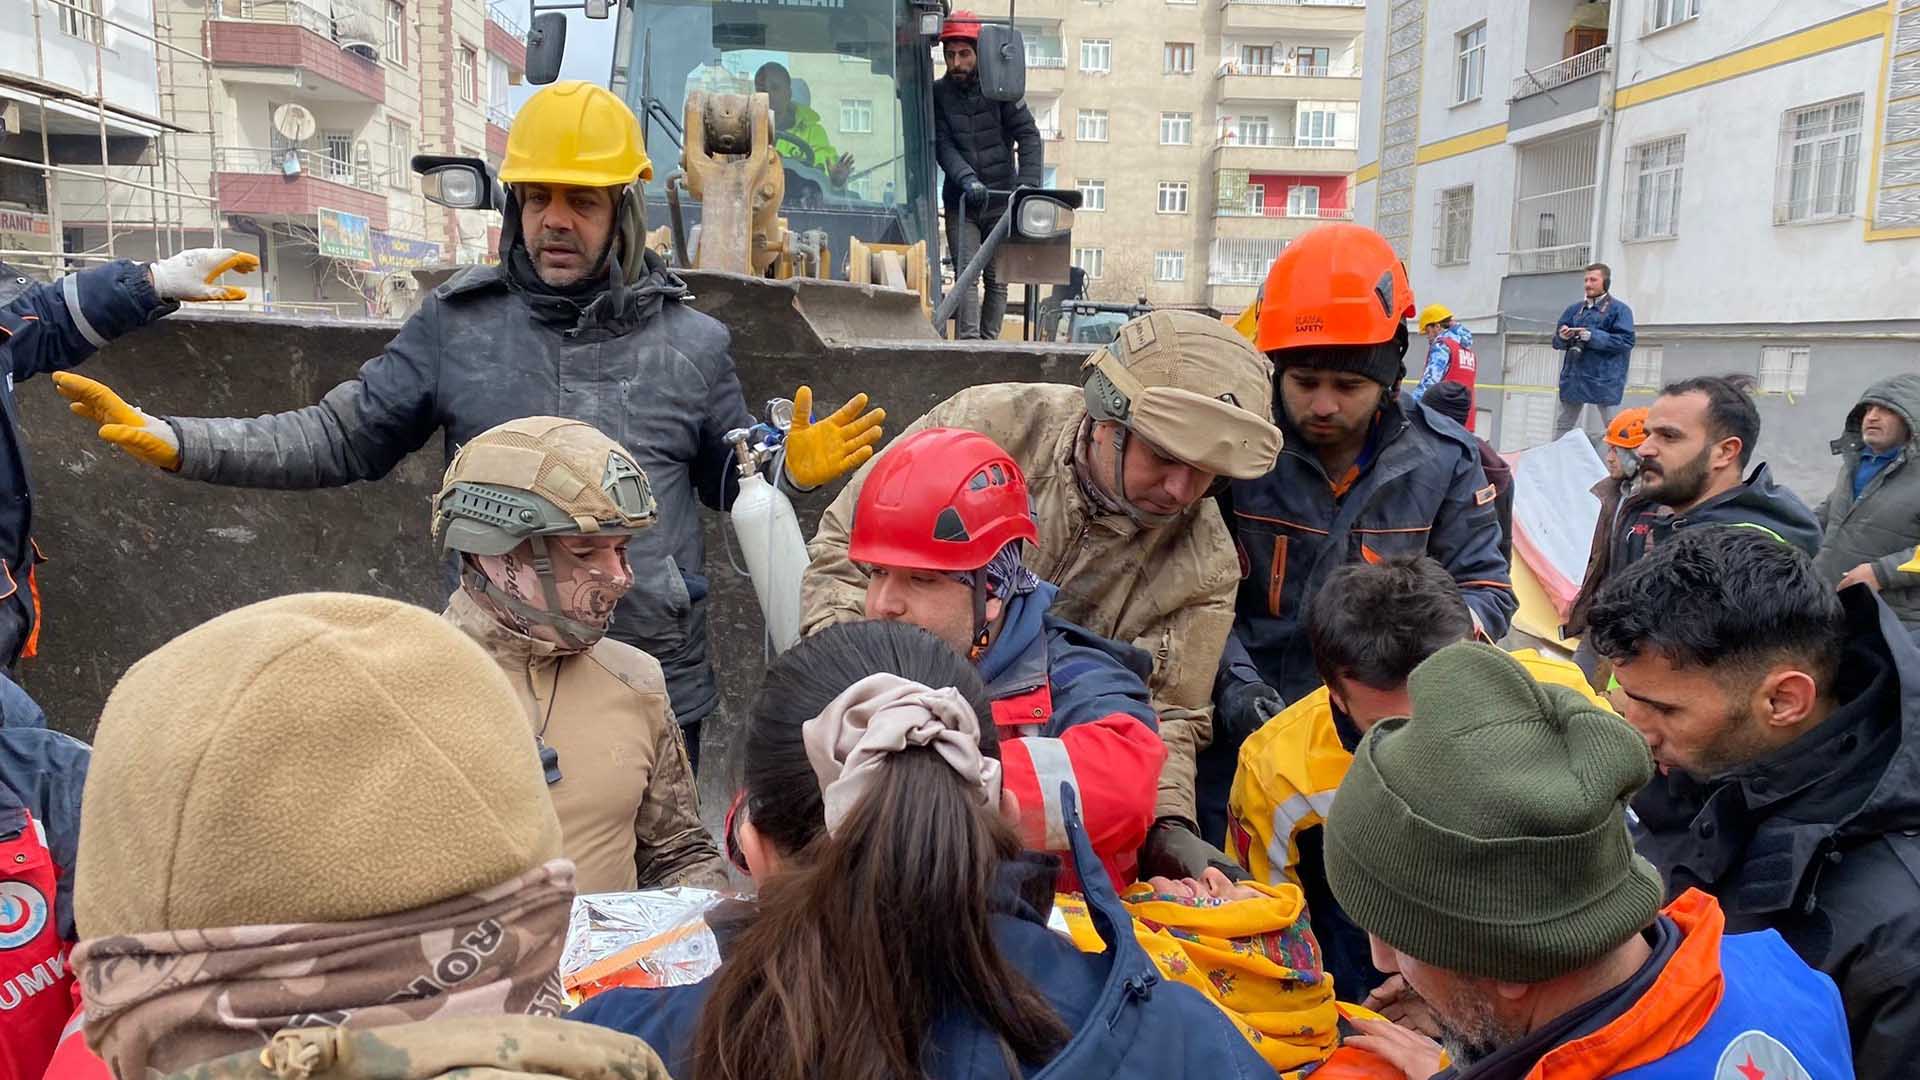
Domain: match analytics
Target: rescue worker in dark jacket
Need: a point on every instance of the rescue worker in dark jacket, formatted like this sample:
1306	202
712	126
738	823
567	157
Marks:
940	528
52	327
578	321
1787	720
41	776
901	931
1872	518
976	141
1700	438
1360	478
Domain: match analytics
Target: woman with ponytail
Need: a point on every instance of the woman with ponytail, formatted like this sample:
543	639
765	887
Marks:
900	932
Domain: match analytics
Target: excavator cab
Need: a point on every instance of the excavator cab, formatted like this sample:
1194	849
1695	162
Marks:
793	142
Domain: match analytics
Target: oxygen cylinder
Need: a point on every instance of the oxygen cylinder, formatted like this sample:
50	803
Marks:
776	555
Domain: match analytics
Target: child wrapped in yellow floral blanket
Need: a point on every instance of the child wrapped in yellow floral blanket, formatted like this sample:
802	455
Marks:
1247	947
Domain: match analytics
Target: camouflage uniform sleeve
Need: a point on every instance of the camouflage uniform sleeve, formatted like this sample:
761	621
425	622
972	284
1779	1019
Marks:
1186	650
671	845
835	590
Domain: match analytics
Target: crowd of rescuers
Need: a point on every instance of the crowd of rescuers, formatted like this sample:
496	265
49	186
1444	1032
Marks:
1148	727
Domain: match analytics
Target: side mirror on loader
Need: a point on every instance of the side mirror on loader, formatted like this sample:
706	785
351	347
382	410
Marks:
1002	54
458	183
546	43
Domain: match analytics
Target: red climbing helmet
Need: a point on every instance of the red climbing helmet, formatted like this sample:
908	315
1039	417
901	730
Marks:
961	26
941	499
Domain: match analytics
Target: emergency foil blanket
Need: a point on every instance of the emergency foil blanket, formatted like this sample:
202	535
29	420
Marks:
655	937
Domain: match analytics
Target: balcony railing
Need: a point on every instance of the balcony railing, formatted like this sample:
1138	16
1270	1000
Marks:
1232	140
1281	210
1299	3
1285	70
293	12
507	16
1046	60
1051	134
500	116
1591	62
307	161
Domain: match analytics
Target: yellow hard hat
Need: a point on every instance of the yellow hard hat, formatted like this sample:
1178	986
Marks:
575	133
1434	313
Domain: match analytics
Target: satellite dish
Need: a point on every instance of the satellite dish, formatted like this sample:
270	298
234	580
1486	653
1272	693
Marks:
295	123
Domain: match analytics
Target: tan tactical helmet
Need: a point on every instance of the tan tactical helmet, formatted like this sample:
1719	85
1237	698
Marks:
1191	386
535	477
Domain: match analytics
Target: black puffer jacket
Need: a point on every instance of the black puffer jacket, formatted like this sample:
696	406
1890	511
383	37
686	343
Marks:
633	360
975	136
1821	841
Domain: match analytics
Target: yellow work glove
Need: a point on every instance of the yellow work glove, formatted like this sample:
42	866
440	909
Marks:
823	450
126	427
189	275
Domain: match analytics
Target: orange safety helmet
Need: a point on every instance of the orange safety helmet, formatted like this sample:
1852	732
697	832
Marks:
1337	285
961	26
1629	429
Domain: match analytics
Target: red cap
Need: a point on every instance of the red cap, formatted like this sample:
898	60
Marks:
941	499
961	26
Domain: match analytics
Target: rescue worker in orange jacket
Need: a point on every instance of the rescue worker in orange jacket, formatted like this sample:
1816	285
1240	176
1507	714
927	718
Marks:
1370	625
540	511
1515	907
940	528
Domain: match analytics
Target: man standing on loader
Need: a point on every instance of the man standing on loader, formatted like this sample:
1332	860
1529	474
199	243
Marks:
977	140
1119	473
578	320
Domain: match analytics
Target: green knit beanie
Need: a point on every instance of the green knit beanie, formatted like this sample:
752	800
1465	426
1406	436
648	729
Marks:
1486	834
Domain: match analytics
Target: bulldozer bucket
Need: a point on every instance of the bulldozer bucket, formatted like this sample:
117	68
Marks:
804	317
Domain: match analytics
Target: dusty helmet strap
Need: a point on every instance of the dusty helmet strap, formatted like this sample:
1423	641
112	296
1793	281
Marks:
574	634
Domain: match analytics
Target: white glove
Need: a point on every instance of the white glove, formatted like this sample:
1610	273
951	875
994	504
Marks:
1585	334
189	275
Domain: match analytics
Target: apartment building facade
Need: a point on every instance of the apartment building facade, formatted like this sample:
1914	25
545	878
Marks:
1202	136
1746	170
298	119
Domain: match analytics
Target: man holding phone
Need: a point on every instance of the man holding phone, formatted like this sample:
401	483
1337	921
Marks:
1595	337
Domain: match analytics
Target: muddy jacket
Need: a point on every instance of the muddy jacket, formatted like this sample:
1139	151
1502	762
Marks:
629	812
1883	525
1757	502
1072	706
1167	590
497	1047
1821	841
646	369
1706	1005
47	328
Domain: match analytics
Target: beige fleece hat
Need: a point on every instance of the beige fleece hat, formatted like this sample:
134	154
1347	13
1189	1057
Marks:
1192	386
314	758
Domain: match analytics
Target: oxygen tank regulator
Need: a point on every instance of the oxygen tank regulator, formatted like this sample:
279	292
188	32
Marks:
769	530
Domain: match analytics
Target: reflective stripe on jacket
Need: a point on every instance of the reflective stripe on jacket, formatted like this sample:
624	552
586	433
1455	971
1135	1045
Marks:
1072	708
1166	590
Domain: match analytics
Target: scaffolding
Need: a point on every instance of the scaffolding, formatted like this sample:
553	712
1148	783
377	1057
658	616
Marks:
166	192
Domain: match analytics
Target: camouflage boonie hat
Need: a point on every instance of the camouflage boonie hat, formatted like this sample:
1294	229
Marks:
1191	386
539	476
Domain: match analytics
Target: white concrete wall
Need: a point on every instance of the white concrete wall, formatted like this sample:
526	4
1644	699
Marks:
127	71
1730	263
